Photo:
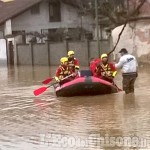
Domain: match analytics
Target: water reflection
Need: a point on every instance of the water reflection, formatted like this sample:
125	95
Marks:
29	122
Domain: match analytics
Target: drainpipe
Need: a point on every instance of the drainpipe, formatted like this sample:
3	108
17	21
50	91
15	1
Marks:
97	26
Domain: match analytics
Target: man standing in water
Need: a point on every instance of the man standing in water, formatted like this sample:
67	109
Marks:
128	64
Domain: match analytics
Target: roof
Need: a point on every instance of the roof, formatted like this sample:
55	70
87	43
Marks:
77	3
13	8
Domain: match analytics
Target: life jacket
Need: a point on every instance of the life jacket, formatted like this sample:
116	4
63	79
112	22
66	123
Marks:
64	72
73	64
105	70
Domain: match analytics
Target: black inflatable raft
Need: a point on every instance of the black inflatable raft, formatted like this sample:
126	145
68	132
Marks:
85	85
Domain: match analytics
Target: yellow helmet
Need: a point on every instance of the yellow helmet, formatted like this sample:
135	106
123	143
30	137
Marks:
70	53
63	60
104	55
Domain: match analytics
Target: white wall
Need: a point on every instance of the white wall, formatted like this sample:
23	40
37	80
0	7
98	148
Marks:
3	55
3	49
72	18
135	38
126	37
69	16
29	22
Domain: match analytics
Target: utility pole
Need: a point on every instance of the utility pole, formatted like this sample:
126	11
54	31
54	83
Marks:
97	26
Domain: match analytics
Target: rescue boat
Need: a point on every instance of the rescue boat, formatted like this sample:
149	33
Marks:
85	85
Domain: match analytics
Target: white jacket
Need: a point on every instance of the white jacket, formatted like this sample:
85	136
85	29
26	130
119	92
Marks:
127	63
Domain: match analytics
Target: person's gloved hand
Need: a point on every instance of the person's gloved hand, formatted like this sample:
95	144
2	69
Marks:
77	72
74	74
57	79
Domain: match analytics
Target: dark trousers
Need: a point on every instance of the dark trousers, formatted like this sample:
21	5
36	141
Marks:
128	83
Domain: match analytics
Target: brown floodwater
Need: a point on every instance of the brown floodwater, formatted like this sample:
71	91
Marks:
105	122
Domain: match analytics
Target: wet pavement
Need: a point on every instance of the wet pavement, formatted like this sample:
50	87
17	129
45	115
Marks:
115	121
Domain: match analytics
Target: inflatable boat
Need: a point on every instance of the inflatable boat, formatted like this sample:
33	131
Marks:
85	85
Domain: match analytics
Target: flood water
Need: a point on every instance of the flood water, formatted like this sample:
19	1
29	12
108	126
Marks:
115	121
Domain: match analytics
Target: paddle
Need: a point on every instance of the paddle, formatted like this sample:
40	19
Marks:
42	89
116	86
48	80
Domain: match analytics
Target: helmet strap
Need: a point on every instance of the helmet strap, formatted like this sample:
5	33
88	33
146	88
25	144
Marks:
70	58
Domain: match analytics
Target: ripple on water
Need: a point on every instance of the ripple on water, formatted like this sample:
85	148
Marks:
31	123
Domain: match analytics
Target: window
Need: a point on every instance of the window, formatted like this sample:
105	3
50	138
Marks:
55	34
20	33
54	12
35	9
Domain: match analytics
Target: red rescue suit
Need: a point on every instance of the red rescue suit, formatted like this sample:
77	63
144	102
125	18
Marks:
93	64
106	72
73	64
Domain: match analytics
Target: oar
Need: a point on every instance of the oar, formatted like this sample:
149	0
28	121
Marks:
117	87
48	80
42	89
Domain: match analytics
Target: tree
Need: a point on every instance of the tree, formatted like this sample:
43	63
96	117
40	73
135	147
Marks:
113	13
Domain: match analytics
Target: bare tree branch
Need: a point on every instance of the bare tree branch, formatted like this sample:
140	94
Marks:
118	38
127	20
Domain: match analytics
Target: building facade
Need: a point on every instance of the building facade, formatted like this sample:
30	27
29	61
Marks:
136	35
